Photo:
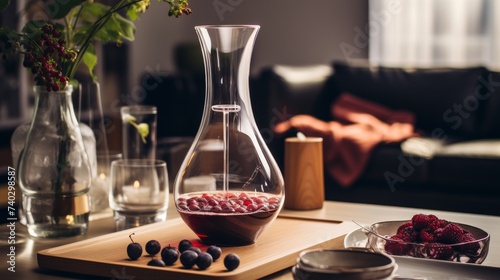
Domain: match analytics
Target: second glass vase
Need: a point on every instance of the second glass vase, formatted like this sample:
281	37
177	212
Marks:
54	172
229	187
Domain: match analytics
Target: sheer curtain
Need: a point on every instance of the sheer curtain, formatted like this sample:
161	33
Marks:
433	33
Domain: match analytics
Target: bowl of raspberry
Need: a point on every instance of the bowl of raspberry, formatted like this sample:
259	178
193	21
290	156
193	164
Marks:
427	236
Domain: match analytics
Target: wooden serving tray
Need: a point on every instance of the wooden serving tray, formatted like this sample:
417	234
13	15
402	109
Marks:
276	249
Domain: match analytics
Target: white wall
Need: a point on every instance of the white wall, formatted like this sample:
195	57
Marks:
293	32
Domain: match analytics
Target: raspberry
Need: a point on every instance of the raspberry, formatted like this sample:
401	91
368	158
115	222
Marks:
438	234
452	234
435	224
420	221
439	251
471	248
403	226
426	236
408	234
432	218
395	246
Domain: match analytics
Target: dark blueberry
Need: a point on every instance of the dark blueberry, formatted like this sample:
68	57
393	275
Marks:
188	258
153	247
195	249
171	247
134	250
231	261
184	245
215	252
169	255
156	262
204	261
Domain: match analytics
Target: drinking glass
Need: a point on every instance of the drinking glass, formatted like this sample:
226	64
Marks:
139	192
139	131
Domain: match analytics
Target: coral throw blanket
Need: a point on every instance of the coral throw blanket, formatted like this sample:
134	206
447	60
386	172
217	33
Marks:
358	126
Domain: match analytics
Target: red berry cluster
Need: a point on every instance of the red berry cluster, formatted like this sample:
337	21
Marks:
228	203
43	57
431	237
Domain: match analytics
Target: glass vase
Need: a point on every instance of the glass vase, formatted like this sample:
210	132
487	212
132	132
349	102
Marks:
89	113
54	172
139	131
229	187
94	140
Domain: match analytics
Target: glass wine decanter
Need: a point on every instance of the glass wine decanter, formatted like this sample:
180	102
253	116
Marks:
229	187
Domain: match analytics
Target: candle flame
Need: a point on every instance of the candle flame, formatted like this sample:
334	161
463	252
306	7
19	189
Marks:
102	176
136	184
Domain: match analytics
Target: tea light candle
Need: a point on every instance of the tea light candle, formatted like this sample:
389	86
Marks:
136	193
102	182
99	193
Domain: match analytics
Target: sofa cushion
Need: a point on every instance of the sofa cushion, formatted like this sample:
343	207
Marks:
459	165
442	99
472	149
425	147
296	90
469	164
473	174
391	168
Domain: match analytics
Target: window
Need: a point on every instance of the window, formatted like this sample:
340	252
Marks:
433	33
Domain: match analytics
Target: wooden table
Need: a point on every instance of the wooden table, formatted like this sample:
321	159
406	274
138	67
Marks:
26	247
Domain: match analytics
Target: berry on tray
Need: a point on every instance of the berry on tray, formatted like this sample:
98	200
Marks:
188	258
156	262
184	245
215	252
195	249
169	255
153	247
204	261
134	250
231	261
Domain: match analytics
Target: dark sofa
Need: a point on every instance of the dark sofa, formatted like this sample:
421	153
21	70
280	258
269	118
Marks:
455	165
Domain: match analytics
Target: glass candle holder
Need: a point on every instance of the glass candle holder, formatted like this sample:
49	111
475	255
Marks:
139	192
